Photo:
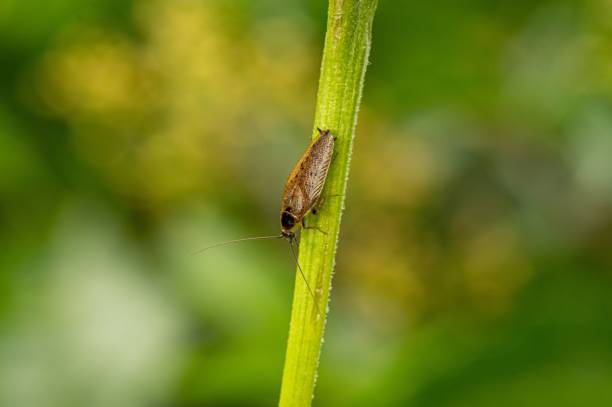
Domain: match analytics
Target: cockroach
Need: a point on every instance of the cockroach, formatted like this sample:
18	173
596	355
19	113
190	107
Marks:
302	195
303	188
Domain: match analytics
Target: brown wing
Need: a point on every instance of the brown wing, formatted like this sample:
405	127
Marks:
307	178
316	166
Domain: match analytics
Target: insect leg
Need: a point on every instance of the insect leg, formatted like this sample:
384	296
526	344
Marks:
317	206
334	155
304	226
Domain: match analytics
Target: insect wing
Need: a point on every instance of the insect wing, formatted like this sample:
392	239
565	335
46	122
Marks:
316	168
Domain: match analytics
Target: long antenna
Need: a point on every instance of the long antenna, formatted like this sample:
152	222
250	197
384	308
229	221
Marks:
236	241
303	275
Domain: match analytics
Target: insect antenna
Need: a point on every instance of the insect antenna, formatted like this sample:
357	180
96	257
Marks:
303	275
236	241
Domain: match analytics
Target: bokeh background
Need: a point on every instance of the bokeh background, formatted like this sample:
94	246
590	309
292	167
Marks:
476	249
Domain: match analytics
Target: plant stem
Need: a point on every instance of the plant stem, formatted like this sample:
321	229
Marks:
345	58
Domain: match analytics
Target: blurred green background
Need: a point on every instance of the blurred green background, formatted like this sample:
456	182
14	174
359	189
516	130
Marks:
475	256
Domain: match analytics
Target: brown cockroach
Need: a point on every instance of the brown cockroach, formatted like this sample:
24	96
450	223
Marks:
303	188
302	194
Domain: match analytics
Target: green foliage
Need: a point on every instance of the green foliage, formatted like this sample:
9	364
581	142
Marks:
474	265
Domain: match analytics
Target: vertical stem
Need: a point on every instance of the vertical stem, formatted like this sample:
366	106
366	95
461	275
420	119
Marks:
345	58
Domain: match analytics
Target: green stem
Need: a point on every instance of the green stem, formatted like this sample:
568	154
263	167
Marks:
345	57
